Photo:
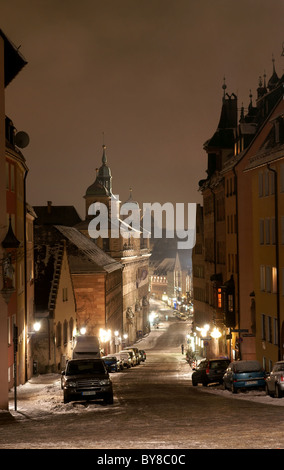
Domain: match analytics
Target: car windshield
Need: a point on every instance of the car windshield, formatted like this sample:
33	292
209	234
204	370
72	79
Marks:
219	364
247	366
85	367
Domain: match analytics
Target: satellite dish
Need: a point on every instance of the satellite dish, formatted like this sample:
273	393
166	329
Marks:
22	139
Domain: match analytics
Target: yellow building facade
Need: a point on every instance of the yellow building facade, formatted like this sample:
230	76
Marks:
267	172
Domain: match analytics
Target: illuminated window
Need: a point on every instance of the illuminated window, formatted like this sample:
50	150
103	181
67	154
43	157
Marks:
219	298
274	280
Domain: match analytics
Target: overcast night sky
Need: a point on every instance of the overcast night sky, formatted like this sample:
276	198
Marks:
146	73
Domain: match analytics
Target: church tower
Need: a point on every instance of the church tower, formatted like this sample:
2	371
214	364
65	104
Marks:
101	189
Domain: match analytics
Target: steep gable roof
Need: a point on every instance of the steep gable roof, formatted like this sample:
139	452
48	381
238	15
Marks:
84	255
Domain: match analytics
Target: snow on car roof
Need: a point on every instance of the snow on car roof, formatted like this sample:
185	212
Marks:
246	366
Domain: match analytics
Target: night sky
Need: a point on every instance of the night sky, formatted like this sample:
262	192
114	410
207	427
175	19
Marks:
144	75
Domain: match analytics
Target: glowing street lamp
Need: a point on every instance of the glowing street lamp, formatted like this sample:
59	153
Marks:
37	326
204	331
105	335
216	333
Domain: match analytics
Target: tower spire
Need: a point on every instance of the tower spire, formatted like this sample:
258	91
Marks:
104	158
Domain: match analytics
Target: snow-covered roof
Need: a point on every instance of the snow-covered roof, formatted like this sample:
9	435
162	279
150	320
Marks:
87	257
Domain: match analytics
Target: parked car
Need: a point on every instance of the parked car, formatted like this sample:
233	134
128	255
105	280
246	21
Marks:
244	375
120	362
275	381
210	371
85	379
112	363
125	358
132	356
142	355
136	352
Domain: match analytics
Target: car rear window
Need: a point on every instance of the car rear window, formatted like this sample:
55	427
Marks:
219	364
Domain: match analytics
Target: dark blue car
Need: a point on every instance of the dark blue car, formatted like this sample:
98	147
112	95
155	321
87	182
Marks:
111	363
244	375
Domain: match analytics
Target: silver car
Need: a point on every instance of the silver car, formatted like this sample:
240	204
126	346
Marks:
275	381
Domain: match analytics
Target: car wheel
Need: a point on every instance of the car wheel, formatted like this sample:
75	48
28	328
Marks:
66	399
108	400
278	393
194	383
267	392
234	390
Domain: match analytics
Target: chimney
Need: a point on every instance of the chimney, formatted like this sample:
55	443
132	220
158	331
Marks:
49	203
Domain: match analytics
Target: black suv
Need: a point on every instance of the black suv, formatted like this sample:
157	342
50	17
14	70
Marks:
210	371
85	379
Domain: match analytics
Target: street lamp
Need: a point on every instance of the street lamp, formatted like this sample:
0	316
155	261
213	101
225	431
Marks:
37	326
116	339
216	333
104	335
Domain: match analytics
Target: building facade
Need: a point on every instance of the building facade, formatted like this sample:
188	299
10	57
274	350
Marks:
229	227
16	258
265	167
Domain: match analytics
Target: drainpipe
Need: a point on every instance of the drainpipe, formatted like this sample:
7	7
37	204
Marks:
277	256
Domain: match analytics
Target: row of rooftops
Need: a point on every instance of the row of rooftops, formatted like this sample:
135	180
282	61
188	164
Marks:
230	130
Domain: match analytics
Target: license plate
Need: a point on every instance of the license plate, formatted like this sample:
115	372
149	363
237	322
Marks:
88	393
251	382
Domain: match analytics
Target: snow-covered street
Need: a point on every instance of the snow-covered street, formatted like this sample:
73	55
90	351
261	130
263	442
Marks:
155	407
